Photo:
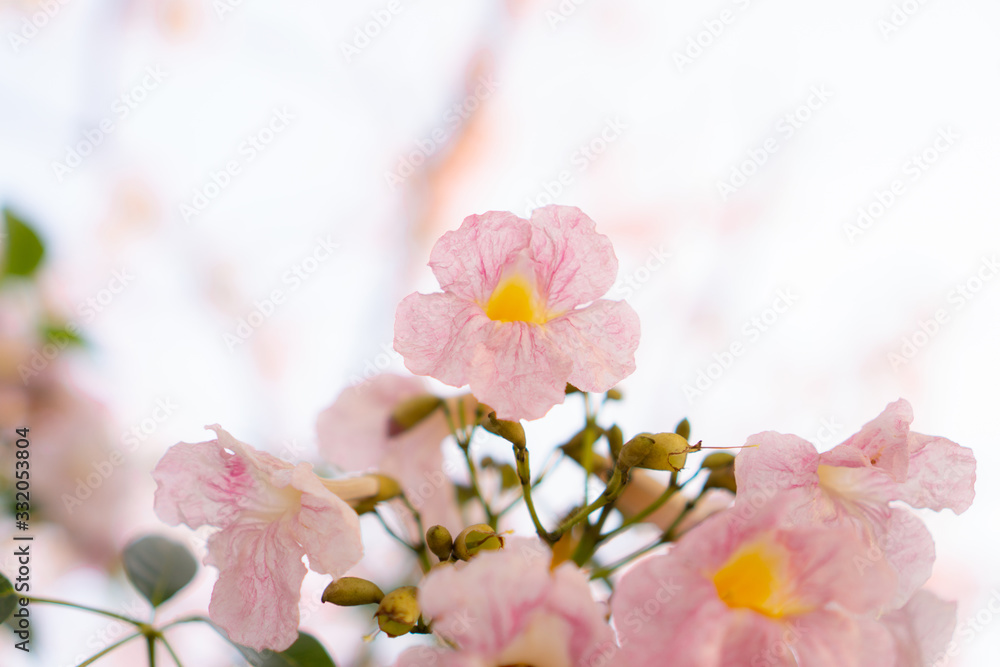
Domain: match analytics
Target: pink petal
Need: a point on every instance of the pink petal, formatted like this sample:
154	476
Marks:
570	599
909	548
601	339
884	439
198	484
353	432
834	639
425	656
520	371
484	605
468	262
753	639
921	629
576	264
773	462
256	597
437	335
326	527
941	474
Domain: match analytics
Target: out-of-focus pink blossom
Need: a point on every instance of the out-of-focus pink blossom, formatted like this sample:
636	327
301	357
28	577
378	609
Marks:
509	322
354	435
270	513
921	629
856	480
755	589
508	608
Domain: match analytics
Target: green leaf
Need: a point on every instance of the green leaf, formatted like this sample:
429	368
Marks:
158	567
24	248
63	335
8	600
305	652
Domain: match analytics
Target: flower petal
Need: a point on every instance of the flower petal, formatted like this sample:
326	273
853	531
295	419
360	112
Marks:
326	527
921	629
256	599
437	335
601	339
883	440
773	462
941	474
576	265
468	262
829	638
353	432
520	371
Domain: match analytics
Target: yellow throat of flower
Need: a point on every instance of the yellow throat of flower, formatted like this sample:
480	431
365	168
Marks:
754	578
515	300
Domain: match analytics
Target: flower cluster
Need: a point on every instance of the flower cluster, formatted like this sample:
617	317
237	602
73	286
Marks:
787	556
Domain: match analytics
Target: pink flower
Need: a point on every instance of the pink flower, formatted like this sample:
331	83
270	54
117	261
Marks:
507	608
855	482
921	629
755	591
509	322
270	513
354	435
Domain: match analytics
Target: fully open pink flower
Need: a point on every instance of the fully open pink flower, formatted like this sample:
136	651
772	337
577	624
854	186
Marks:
856	480
271	513
509	322
755	590
507	608
354	435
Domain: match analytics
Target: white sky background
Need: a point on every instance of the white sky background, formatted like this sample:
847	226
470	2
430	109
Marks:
546	88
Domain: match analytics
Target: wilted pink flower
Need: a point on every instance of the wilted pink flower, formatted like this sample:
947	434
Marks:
856	480
507	608
509	322
354	435
270	513
755	590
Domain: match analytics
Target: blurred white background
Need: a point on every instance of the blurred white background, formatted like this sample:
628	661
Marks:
210	153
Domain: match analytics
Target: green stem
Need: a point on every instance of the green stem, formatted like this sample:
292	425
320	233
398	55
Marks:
588	543
151	645
524	476
420	549
547	467
614	489
110	614
605	572
463	444
644	514
170	650
186	619
109	649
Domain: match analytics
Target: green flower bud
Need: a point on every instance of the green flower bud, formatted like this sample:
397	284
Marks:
474	539
411	412
614	394
717	460
398	611
439	542
512	432
659	451
352	591
388	488
683	429
722	478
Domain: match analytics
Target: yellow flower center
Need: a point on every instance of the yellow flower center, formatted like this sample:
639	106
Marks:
514	300
752	579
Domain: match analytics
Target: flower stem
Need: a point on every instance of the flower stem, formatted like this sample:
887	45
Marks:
463	444
614	489
151	645
170	650
641	516
524	476
109	649
110	614
420	549
605	572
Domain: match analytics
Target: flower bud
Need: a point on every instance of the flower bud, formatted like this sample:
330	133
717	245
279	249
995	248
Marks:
659	451
352	591
411	412
683	429
512	432
474	539
388	488
614	394
398	611
439	542
722	475
570	389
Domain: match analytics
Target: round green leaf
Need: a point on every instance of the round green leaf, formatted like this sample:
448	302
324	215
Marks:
305	652
8	599
24	248
158	567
